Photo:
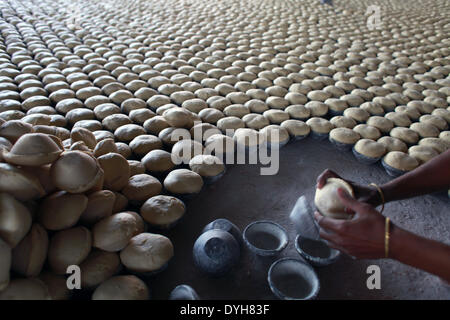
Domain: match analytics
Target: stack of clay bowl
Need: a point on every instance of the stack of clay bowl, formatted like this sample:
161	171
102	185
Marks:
99	103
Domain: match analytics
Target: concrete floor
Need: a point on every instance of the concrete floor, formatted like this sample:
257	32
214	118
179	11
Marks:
243	196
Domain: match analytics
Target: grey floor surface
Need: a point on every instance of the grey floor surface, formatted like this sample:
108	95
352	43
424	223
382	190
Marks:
243	196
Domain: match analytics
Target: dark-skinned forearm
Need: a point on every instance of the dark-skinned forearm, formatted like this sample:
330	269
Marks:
428	178
421	253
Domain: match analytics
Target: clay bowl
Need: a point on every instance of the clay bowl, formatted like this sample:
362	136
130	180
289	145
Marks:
393	172
364	159
225	225
183	292
293	279
216	252
265	238
316	252
340	145
319	136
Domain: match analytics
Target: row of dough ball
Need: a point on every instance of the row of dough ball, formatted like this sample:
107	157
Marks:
441	71
73	111
321	100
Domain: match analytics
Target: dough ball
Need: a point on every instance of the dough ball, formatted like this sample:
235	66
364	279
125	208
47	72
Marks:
140	187
147	252
438	144
275	135
34	149
367	131
15	220
425	130
297	129
381	123
202	131
207	165
122	288
327	200
143	144
136	167
99	205
183	181
400	161
113	233
61	210
5	264
344	135
422	153
320	125
29	256
343	122
158	161
298	112
25	289
98	267
248	137
276	116
155	125
116	170
370	148
393	144
162	211
178	117
221	146
69	247
186	149
75	172
407	135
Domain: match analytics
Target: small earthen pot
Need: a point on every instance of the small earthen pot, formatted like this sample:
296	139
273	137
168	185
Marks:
183	292
265	238
316	252
293	279
216	252
225	225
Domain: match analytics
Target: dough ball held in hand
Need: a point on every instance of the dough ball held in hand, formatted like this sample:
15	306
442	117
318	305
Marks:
327	200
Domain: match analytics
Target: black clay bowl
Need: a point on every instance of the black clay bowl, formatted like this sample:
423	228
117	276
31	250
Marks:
316	252
183	292
216	252
293	279
393	172
225	225
265	238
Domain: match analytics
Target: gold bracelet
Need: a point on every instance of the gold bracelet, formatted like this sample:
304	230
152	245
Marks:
386	238
380	192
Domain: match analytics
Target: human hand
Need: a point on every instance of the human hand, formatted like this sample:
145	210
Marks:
365	194
362	236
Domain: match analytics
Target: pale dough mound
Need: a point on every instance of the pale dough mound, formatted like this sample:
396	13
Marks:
327	200
183	181
147	252
400	161
162	210
207	165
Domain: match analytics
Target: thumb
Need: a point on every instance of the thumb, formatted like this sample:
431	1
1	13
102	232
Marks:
349	202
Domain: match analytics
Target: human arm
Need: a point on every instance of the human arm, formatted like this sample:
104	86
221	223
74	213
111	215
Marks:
363	236
430	177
